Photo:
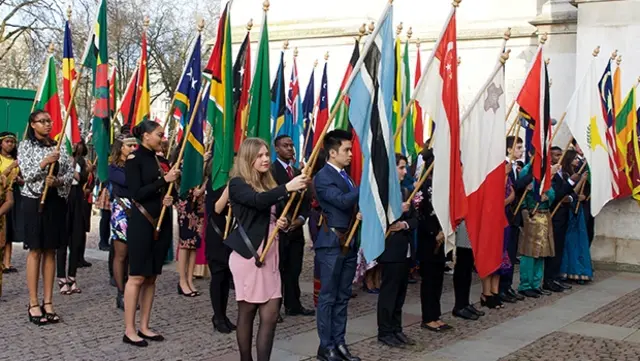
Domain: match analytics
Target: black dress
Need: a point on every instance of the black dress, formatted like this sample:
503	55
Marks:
147	187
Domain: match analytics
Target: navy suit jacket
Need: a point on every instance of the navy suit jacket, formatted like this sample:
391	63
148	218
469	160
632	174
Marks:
337	202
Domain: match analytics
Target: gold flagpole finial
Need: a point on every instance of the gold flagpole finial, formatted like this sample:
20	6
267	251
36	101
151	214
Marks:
456	3
507	34
596	51
614	55
51	48
200	25
147	21
69	11
265	5
295	52
372	27
362	31
619	60
399	29
250	25
505	56
409	33
418	44
326	56
315	64
543	38
285	45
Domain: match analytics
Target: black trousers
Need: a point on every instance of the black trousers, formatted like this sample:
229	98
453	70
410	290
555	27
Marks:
393	291
462	277
506	280
105	228
219	288
75	243
290	268
552	264
432	274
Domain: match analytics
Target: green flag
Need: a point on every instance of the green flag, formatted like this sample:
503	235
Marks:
96	57
259	123
408	131
220	111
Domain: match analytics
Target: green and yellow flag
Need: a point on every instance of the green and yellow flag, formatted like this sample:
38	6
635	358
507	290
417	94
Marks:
259	123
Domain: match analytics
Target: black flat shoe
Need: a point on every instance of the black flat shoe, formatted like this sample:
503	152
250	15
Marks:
157	338
346	354
300	312
221	326
404	339
506	298
544	292
141	343
432	329
530	294
446	327
475	310
390	340
552	287
563	285
511	292
466	314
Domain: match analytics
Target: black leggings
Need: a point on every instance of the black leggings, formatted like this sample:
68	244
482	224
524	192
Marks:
462	277
75	249
266	331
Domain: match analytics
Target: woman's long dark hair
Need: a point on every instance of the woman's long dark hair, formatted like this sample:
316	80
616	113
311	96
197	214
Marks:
569	157
31	134
14	153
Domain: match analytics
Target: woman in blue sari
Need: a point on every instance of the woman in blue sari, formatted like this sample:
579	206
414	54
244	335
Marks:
576	260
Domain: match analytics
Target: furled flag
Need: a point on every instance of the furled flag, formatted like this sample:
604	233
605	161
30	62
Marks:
48	98
278	104
534	100
241	86
626	122
259	124
188	88
370	112
342	118
192	164
633	161
220	112
113	87
143	100
408	132
418	124
72	132
586	122
128	103
397	97
623	132
605	86
96	57
438	95
307	114
617	89
482	145
293	112
322	116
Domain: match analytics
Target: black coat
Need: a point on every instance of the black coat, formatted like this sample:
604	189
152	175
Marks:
562	188
519	186
252	211
397	244
282	178
428	227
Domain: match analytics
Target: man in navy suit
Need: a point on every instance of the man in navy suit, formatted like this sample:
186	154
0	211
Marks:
338	198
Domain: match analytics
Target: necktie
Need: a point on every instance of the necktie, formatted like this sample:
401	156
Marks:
346	178
290	172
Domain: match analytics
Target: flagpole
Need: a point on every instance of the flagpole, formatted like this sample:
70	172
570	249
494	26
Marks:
176	165
64	126
307	170
454	6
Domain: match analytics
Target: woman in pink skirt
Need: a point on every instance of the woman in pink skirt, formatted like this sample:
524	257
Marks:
253	194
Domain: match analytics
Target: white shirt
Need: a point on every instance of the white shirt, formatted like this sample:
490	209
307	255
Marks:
284	164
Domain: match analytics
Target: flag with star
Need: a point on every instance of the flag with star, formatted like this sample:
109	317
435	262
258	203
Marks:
188	87
220	113
143	100
72	132
96	57
307	114
241	86
293	113
259	123
192	164
605	87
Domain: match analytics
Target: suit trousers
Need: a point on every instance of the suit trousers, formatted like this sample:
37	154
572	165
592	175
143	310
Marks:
336	276
393	291
462	277
291	255
506	279
432	274
552	264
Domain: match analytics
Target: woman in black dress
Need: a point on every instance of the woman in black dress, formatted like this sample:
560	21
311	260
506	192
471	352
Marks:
76	224
44	230
147	182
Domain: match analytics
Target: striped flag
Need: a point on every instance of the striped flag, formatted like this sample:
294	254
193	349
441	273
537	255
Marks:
293	113
418	124
258	124
72	133
626	122
241	86
408	132
188	88
322	117
48	99
278	104
397	98
143	100
128	103
605	86
370	113
307	114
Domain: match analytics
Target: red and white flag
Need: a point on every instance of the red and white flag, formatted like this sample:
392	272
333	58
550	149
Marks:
482	143
438	96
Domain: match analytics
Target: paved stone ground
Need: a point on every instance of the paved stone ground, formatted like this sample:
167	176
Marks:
92	327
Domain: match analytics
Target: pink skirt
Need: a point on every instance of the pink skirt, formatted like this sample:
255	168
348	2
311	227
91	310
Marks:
253	284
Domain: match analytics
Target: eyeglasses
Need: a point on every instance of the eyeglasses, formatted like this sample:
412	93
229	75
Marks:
44	121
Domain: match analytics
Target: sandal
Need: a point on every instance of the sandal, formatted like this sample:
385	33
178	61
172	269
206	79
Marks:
37	320
51	317
64	287
73	286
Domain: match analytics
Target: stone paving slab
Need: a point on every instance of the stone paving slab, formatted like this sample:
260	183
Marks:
597	330
624	312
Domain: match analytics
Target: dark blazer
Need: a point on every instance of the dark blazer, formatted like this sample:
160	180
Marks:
252	210
396	245
428	227
561	186
281	177
338	204
519	186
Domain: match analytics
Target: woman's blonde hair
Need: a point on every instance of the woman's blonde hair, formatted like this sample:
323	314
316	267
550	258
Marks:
243	166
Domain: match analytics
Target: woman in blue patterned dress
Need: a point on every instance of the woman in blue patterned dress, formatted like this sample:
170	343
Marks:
120	206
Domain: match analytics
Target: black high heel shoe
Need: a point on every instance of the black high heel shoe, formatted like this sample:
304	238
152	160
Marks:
488	301
498	301
182	293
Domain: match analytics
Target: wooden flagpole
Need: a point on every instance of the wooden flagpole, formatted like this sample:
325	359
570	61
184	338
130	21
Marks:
307	170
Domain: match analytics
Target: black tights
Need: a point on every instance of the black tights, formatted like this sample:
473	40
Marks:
266	331
120	263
